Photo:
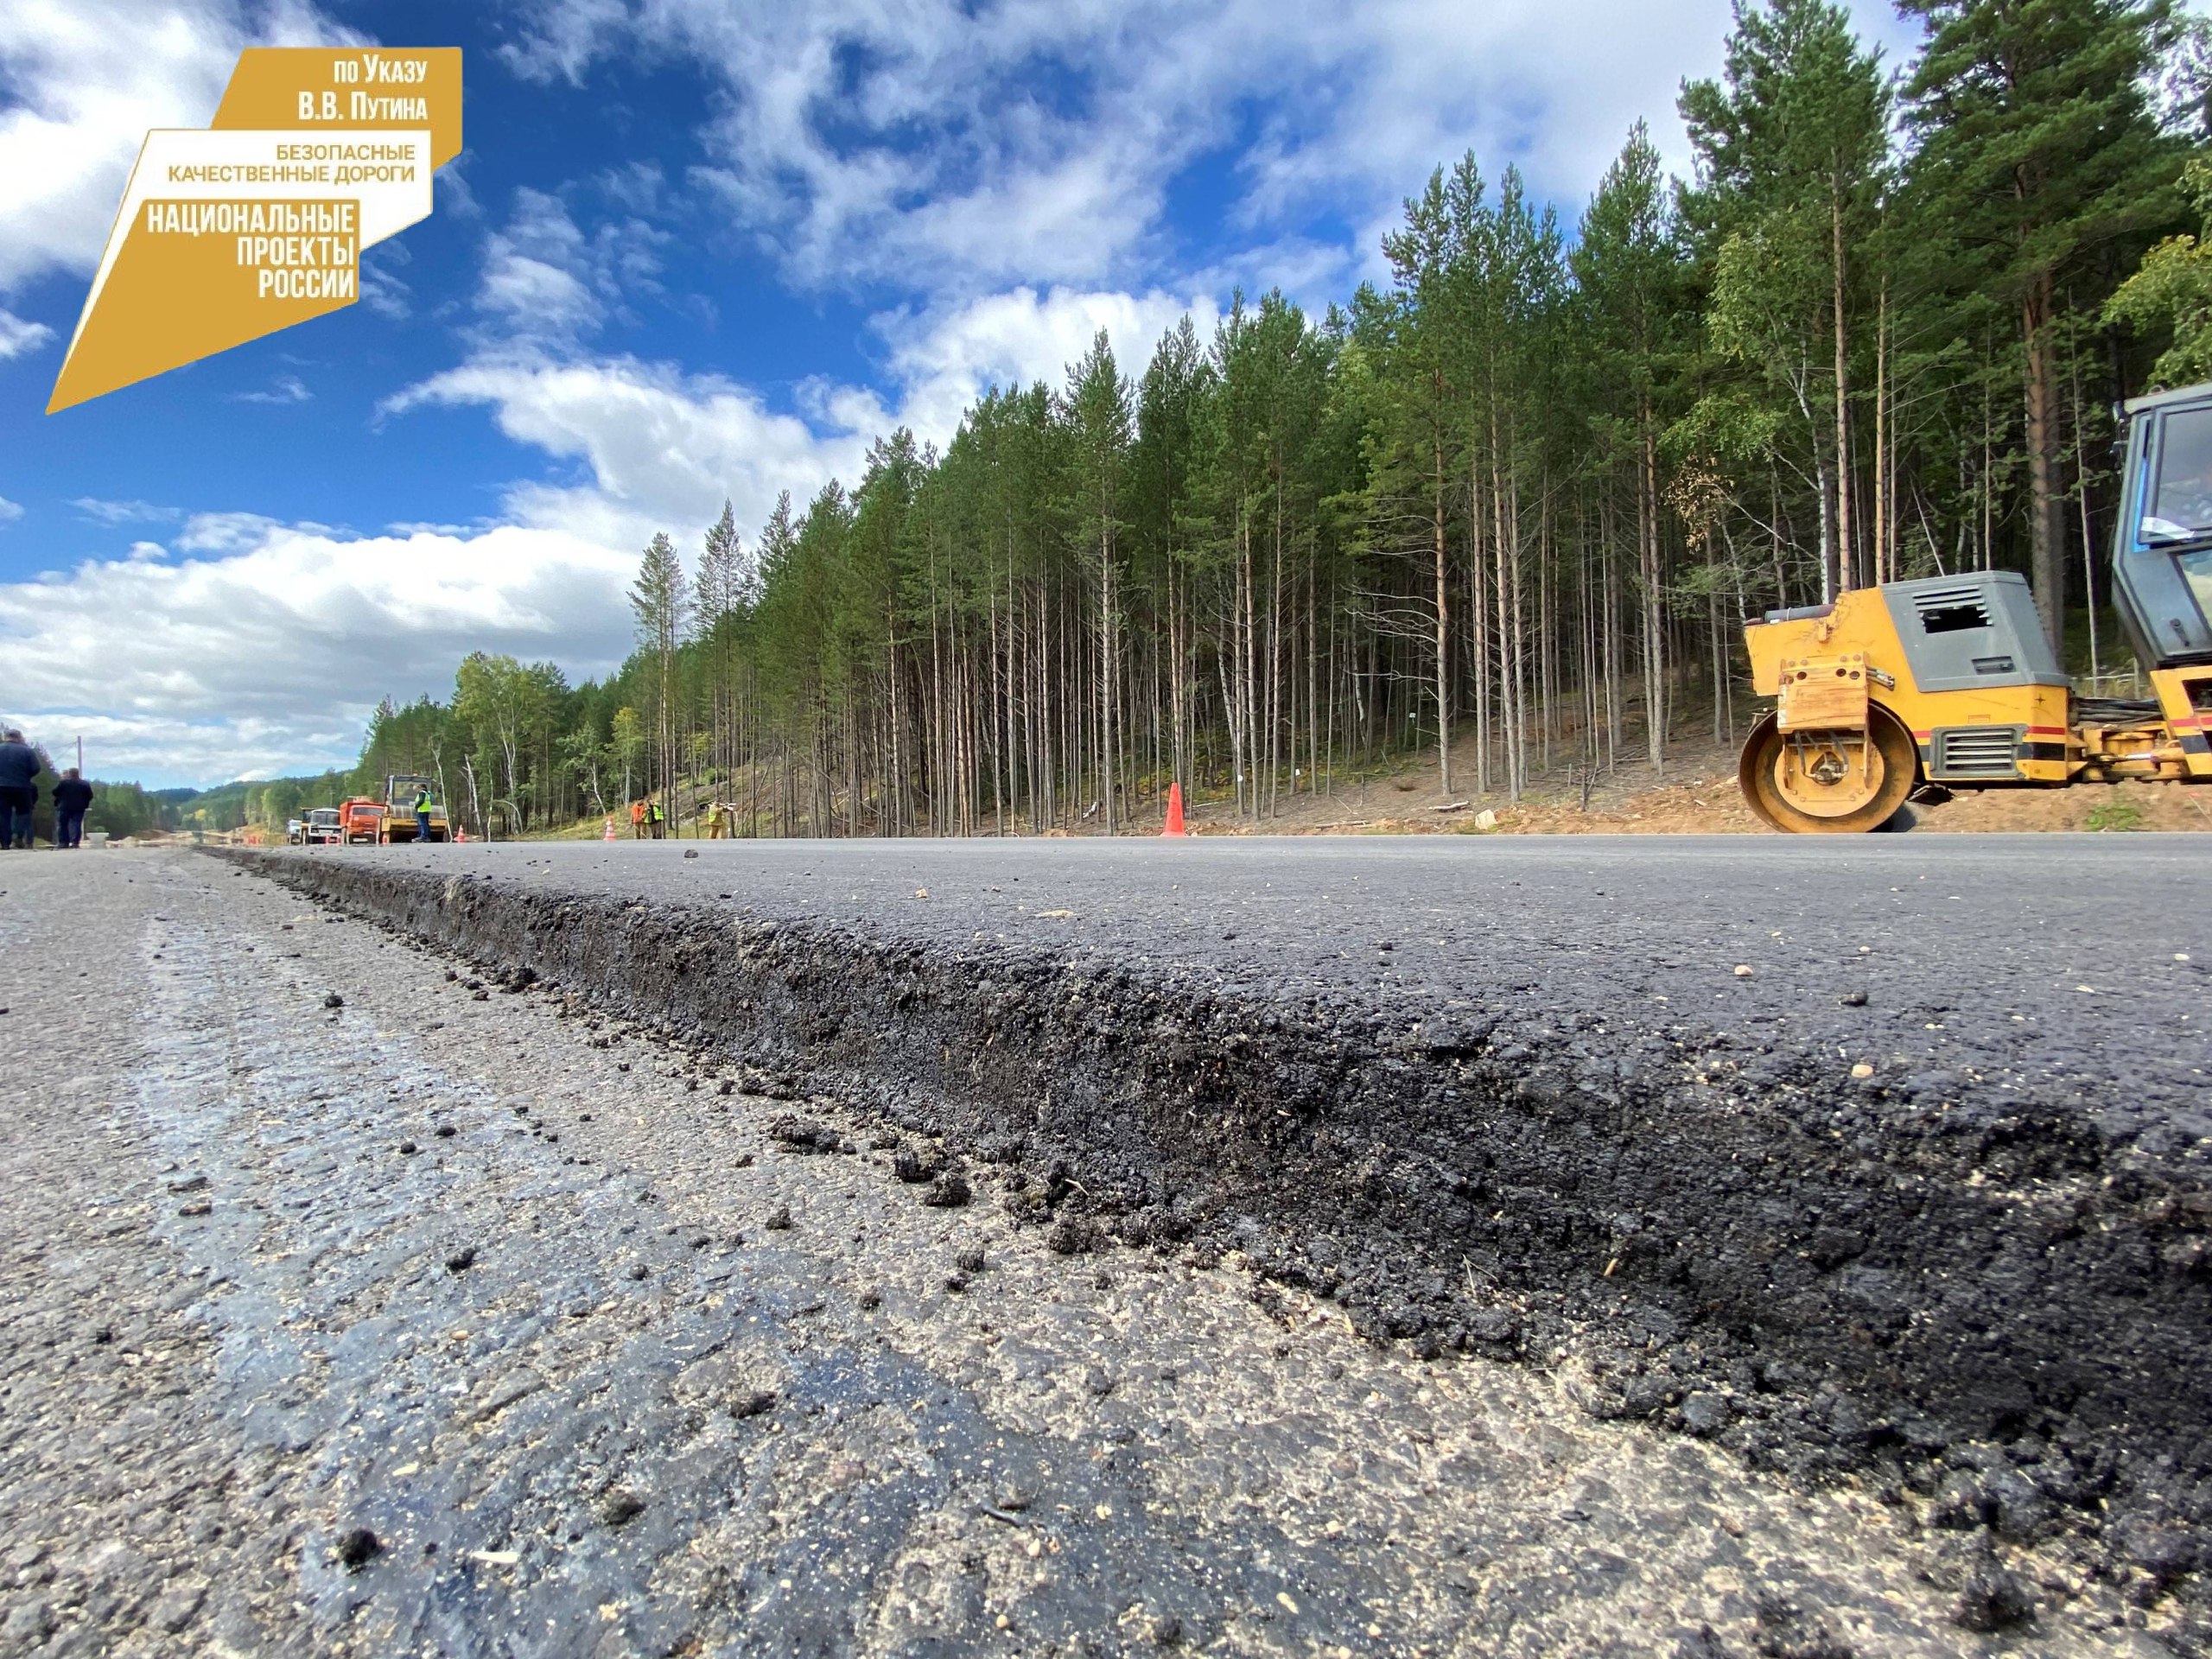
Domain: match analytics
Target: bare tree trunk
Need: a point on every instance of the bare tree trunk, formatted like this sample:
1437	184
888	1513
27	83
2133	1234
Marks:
1502	633
1247	769
1106	674
1178	729
1312	680
1334	701
1883	527
1983	485
1845	559
1584	595
1612	635
1547	656
1443	637
2046	512
1719	656
1654	708
2088	543
1001	714
1518	636
1479	610
1274	664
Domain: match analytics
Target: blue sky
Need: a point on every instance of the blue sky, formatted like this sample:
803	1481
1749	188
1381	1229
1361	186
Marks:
692	250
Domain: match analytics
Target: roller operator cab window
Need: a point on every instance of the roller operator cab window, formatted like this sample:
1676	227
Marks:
2181	506
2197	570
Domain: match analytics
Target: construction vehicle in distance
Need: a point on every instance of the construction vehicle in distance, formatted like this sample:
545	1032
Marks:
1949	683
319	827
398	825
360	821
365	821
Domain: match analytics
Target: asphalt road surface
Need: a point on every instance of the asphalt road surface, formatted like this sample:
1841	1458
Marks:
309	1235
2063	965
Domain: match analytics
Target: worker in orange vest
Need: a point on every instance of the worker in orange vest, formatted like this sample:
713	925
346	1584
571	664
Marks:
637	820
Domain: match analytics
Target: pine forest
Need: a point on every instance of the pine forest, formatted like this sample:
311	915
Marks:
1506	511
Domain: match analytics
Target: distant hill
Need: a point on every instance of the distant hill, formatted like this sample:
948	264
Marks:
269	801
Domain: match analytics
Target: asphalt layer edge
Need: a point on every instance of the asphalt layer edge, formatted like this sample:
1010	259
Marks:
2005	1318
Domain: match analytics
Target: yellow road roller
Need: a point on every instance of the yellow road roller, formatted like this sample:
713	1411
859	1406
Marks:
1949	683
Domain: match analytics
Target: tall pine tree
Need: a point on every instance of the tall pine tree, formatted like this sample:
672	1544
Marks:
2042	164
1791	144
661	602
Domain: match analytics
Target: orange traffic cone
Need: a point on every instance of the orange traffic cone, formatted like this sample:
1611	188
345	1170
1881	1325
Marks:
609	836
1175	811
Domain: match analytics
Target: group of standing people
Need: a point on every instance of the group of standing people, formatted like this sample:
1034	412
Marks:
648	822
20	766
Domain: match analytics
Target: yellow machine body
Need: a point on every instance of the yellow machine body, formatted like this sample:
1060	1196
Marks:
396	824
1946	681
1949	680
1859	627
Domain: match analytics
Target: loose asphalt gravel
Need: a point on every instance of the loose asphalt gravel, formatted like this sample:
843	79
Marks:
367	1297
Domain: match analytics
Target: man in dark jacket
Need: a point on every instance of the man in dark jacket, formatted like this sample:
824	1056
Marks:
71	797
19	765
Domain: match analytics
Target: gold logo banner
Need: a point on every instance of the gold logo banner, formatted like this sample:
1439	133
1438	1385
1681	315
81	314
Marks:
257	223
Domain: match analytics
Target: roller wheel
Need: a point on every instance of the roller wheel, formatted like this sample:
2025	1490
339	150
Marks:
1829	782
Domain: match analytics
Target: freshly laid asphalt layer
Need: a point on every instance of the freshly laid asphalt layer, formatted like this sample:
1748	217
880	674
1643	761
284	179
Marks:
1885	1158
2071	967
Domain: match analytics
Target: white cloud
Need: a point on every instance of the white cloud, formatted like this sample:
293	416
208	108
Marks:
640	186
228	532
951	148
383	290
122	512
161	751
544	281
285	389
271	656
455	198
861	140
664	449
18	338
86	79
9	511
944	361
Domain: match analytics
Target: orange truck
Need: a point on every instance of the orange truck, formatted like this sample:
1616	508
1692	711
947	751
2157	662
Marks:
360	821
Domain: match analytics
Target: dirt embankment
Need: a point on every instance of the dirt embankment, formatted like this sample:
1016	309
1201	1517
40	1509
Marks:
1694	793
1998	1314
1699	798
